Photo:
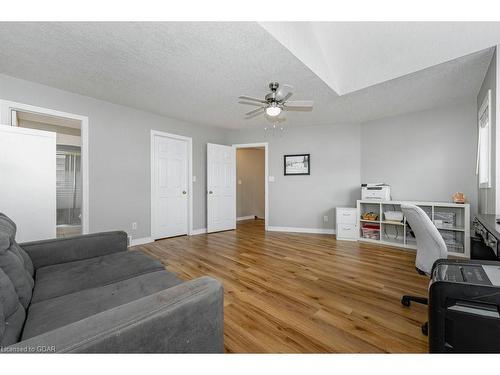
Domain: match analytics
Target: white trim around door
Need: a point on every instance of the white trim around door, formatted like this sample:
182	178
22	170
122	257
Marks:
155	133
6	108
266	174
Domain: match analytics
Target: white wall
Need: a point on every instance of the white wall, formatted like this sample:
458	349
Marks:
119	142
426	155
303	201
250	182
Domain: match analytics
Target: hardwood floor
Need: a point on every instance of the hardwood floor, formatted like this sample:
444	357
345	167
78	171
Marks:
290	292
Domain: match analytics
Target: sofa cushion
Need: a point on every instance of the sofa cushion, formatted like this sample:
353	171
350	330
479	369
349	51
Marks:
56	312
12	263
12	313
60	279
9	227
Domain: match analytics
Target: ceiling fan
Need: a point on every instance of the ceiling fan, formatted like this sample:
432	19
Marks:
275	102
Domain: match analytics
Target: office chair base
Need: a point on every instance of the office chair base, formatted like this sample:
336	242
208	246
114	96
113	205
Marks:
425	328
406	300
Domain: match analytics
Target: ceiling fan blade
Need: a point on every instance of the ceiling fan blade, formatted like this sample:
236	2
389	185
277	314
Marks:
244	97
297	109
252	103
255	112
299	103
287	96
284	91
255	115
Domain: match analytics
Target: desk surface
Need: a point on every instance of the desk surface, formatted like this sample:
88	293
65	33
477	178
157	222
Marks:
489	221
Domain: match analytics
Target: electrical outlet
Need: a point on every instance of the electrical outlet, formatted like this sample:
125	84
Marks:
134	225
194	178
325	219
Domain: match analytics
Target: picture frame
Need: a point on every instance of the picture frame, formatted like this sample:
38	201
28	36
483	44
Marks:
297	165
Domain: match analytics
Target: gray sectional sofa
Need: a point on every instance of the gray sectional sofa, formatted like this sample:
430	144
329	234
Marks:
90	294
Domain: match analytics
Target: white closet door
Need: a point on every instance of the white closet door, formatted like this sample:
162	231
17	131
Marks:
221	188
28	181
170	187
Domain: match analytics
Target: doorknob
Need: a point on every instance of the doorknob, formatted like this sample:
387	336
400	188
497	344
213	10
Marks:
184	192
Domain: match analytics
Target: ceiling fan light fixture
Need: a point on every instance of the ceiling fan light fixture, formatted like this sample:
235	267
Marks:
273	110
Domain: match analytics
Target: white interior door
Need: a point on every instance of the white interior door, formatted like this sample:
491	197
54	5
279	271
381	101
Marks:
221	187
170	202
28	181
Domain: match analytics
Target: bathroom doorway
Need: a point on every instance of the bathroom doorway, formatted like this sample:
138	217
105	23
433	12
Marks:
71	160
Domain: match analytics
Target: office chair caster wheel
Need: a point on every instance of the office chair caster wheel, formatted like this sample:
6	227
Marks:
405	301
425	329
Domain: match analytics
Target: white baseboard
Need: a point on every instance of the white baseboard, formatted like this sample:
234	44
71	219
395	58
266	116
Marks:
195	232
140	241
145	240
347	239
301	230
250	217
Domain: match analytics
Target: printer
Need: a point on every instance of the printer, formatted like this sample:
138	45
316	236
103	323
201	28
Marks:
464	306
381	192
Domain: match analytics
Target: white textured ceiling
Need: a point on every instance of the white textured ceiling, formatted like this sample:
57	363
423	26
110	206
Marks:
195	71
351	56
428	88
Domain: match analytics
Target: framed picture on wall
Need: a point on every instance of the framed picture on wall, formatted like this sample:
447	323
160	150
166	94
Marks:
297	165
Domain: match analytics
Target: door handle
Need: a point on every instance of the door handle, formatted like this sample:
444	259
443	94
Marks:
184	192
210	192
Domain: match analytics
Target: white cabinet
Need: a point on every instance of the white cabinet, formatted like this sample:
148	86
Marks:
347	223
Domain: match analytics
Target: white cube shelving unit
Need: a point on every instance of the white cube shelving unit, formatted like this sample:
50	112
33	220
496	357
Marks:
455	234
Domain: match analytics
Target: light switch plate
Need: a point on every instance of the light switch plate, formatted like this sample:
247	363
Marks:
271	179
194	178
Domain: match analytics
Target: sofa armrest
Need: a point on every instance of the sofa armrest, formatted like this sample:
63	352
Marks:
62	250
187	318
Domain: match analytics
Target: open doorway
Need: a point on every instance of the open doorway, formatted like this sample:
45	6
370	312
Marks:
251	182
72	215
68	166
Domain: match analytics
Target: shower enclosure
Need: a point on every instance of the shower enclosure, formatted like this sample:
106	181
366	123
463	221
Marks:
69	190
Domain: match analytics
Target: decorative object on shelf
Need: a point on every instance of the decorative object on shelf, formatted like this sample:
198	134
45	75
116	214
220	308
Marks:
458	197
372	216
395	216
297	165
